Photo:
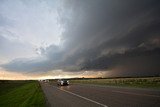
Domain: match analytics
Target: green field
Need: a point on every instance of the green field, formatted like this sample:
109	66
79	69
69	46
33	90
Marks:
21	94
150	82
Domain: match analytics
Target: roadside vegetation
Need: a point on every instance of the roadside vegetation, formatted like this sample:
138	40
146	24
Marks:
150	82
21	94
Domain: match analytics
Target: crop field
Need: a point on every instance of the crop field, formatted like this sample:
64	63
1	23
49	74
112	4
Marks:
21	94
150	82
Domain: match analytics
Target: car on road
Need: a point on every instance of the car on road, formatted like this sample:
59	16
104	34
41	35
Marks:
62	82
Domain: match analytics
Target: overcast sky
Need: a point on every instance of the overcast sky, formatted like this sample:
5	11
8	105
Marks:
72	38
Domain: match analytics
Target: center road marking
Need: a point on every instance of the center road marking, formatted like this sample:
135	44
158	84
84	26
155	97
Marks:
136	94
83	97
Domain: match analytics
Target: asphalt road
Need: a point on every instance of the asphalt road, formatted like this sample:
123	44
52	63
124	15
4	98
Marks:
99	96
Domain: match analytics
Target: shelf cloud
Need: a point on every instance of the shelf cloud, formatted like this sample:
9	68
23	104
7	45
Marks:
118	37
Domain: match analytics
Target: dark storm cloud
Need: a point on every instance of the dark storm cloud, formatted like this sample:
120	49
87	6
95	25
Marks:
101	35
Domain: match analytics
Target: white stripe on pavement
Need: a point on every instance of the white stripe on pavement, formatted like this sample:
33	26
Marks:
83	97
149	95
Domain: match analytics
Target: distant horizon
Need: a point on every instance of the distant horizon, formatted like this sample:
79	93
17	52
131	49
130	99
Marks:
81	78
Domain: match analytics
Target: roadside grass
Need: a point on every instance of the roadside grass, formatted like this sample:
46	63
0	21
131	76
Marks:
6	85
150	82
21	94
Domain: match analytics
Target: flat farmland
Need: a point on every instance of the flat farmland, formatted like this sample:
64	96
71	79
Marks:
149	82
21	94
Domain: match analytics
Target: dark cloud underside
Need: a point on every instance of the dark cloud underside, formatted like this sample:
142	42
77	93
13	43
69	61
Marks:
103	35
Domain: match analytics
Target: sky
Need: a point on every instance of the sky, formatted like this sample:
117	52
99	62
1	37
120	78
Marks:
79	38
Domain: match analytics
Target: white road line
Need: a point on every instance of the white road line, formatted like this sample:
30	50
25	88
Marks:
83	97
136	94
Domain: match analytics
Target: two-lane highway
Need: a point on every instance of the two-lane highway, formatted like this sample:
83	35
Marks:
99	96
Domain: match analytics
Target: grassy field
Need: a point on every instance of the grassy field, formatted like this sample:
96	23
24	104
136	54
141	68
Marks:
21	94
150	82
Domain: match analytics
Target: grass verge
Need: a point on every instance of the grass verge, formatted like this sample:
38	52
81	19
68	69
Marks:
151	82
21	94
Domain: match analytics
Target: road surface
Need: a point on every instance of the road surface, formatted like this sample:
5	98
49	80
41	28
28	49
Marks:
99	96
